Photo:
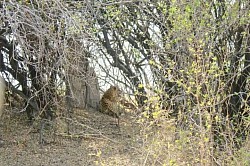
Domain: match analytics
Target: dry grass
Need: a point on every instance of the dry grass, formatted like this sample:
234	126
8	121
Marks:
95	140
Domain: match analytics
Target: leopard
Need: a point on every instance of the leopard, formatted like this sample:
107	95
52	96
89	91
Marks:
109	102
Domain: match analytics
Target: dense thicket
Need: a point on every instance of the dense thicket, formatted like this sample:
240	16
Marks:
189	59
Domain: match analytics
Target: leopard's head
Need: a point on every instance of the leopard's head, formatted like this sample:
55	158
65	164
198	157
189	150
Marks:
115	90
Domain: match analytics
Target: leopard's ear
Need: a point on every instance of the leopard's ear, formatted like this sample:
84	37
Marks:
113	87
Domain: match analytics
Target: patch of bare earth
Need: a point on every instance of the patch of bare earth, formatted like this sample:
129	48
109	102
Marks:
94	139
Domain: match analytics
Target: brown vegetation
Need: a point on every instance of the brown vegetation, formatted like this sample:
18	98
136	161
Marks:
2	95
185	64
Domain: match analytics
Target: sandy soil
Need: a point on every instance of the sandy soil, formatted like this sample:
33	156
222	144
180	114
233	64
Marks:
94	139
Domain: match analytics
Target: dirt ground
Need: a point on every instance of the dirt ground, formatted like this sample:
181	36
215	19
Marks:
94	139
